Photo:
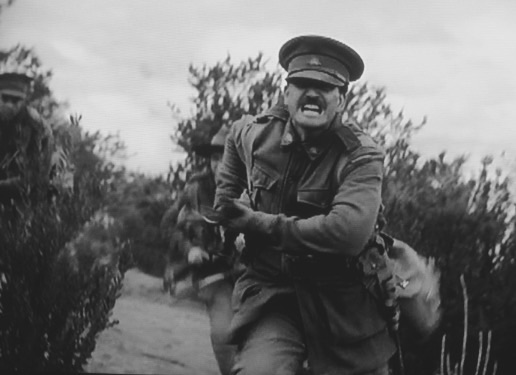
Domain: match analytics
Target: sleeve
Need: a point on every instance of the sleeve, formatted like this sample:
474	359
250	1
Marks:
39	146
351	220
232	175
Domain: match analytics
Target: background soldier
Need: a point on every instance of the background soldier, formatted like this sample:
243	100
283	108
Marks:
25	145
196	250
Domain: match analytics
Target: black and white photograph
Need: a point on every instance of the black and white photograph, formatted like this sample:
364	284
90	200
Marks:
236	187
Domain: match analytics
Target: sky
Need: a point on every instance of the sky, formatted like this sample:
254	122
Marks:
120	63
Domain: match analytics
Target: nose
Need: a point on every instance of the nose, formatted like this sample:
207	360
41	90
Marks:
311	98
311	95
311	92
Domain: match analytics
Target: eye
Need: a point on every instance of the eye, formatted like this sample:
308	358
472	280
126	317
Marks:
303	84
325	87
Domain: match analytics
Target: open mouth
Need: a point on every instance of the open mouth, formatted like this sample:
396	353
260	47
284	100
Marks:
311	108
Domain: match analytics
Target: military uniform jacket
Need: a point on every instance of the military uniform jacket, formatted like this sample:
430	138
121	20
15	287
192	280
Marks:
319	203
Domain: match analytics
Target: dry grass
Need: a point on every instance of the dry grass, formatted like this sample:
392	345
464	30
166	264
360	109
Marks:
484	363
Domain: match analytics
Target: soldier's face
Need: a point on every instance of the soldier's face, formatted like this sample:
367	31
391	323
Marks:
10	106
313	104
215	161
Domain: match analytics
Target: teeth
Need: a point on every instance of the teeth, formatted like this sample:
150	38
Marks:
311	107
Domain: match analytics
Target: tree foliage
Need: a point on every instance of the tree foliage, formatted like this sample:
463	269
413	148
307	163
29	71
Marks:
225	92
137	205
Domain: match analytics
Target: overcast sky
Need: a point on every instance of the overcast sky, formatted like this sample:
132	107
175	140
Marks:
119	63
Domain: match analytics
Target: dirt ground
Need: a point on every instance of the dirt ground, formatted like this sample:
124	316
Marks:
156	335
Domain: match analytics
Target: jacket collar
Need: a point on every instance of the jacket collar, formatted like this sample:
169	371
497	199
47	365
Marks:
315	147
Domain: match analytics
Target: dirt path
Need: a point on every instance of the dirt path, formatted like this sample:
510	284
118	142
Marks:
156	335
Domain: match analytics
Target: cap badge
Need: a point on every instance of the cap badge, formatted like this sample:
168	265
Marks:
314	61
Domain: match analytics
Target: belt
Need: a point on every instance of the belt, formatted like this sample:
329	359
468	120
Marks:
316	267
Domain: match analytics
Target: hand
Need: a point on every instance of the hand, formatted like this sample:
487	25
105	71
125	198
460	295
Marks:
196	255
237	215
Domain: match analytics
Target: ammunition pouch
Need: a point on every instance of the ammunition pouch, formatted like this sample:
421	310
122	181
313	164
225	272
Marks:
378	277
405	283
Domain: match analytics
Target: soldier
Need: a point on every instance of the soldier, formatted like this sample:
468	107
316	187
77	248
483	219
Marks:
196	251
314	185
25	145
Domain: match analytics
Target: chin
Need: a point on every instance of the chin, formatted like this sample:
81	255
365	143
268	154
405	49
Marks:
311	122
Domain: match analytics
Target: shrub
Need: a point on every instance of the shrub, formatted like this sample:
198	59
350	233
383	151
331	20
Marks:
137	206
51	308
56	294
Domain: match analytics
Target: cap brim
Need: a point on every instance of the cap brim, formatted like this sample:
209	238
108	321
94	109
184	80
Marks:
316	76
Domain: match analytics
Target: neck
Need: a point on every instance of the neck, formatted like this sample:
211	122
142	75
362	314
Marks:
308	134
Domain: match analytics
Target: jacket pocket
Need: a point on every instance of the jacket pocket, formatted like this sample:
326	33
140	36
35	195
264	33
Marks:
264	182
353	313
318	198
263	178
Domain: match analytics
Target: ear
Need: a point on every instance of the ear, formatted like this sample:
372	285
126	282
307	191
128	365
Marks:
342	102
286	92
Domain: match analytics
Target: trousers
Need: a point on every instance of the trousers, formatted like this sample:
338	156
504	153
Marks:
275	345
217	299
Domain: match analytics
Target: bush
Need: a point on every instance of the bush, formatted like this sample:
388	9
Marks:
465	225
137	206
51	307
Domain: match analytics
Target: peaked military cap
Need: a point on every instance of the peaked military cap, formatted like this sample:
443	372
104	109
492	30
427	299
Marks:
15	84
320	58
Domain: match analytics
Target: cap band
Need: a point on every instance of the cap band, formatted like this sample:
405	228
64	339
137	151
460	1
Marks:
16	93
14	84
319	63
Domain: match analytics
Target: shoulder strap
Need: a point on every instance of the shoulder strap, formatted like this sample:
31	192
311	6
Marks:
278	111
